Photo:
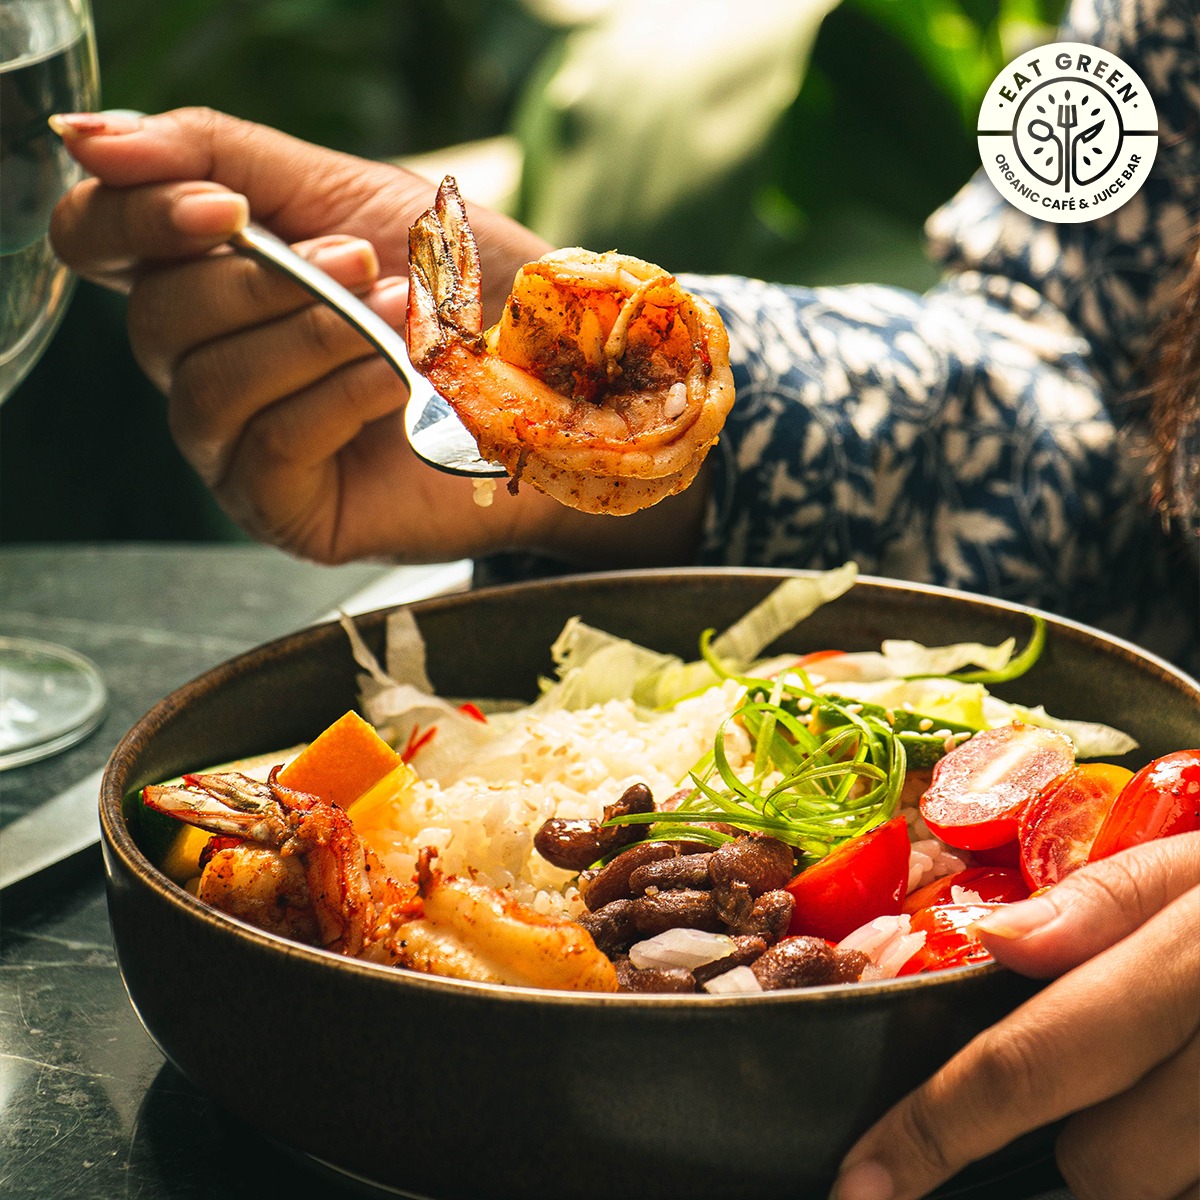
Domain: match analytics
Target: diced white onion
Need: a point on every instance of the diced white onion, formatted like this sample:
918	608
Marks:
875	934
920	866
887	941
740	979
686	948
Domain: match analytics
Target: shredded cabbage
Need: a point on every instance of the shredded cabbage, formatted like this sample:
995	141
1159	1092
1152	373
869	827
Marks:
1092	739
594	666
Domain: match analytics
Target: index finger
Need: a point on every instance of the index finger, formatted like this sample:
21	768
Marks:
1065	1050
296	187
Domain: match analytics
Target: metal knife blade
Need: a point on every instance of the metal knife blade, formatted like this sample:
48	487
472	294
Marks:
56	830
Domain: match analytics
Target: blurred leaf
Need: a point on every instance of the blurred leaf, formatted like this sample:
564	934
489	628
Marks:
374	77
647	128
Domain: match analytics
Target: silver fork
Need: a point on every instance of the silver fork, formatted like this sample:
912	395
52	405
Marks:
1066	122
434	431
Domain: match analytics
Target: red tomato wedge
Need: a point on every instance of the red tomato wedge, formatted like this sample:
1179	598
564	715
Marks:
1057	827
860	880
949	939
980	787
993	885
1161	799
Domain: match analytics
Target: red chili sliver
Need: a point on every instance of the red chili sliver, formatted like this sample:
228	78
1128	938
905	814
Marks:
980	787
860	880
1057	828
416	740
1161	799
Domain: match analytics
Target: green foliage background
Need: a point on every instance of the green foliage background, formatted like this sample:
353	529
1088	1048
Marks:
831	183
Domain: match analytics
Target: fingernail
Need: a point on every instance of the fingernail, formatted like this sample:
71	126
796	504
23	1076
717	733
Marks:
210	214
389	299
349	262
1019	919
68	125
863	1181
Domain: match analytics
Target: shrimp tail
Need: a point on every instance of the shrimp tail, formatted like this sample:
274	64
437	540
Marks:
445	280
231	805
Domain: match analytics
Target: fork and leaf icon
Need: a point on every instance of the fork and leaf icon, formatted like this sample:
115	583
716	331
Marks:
1062	163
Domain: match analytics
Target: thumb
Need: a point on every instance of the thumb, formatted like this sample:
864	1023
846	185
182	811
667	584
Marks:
1092	908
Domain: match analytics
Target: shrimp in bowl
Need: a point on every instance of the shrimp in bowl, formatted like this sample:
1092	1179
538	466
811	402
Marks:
604	383
292	864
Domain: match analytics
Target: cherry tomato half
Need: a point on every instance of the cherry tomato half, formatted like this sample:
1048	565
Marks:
993	885
1057	827
860	880
1161	799
949	939
979	787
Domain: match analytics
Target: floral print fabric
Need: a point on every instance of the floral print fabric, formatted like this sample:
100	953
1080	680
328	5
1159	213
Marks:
985	435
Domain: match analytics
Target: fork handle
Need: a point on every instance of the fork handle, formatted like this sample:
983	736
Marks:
263	245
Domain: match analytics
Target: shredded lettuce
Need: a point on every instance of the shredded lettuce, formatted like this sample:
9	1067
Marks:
738	648
789	604
594	666
400	700
1092	739
944	685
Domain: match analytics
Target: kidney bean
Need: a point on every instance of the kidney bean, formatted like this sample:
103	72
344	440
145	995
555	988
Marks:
734	902
763	863
686	871
611	882
746	949
684	908
770	916
851	964
612	927
576	844
806	962
570	844
652	979
634	799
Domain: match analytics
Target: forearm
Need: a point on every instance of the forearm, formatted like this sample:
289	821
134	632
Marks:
959	438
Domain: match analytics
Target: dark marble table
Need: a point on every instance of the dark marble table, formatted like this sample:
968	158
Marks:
89	1109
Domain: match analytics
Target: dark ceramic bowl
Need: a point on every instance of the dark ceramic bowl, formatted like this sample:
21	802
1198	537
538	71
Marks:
440	1088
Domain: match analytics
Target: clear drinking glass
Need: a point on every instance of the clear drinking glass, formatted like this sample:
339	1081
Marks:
50	696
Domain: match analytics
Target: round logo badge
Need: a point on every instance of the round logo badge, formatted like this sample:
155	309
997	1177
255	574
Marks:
1067	132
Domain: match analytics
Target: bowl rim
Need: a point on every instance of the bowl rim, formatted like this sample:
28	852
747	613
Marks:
119	842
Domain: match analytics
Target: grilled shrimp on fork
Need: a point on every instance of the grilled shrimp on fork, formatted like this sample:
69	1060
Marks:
604	383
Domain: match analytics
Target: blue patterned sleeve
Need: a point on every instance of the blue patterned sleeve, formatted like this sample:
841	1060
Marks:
980	435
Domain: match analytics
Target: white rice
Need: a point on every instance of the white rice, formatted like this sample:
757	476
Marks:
553	764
